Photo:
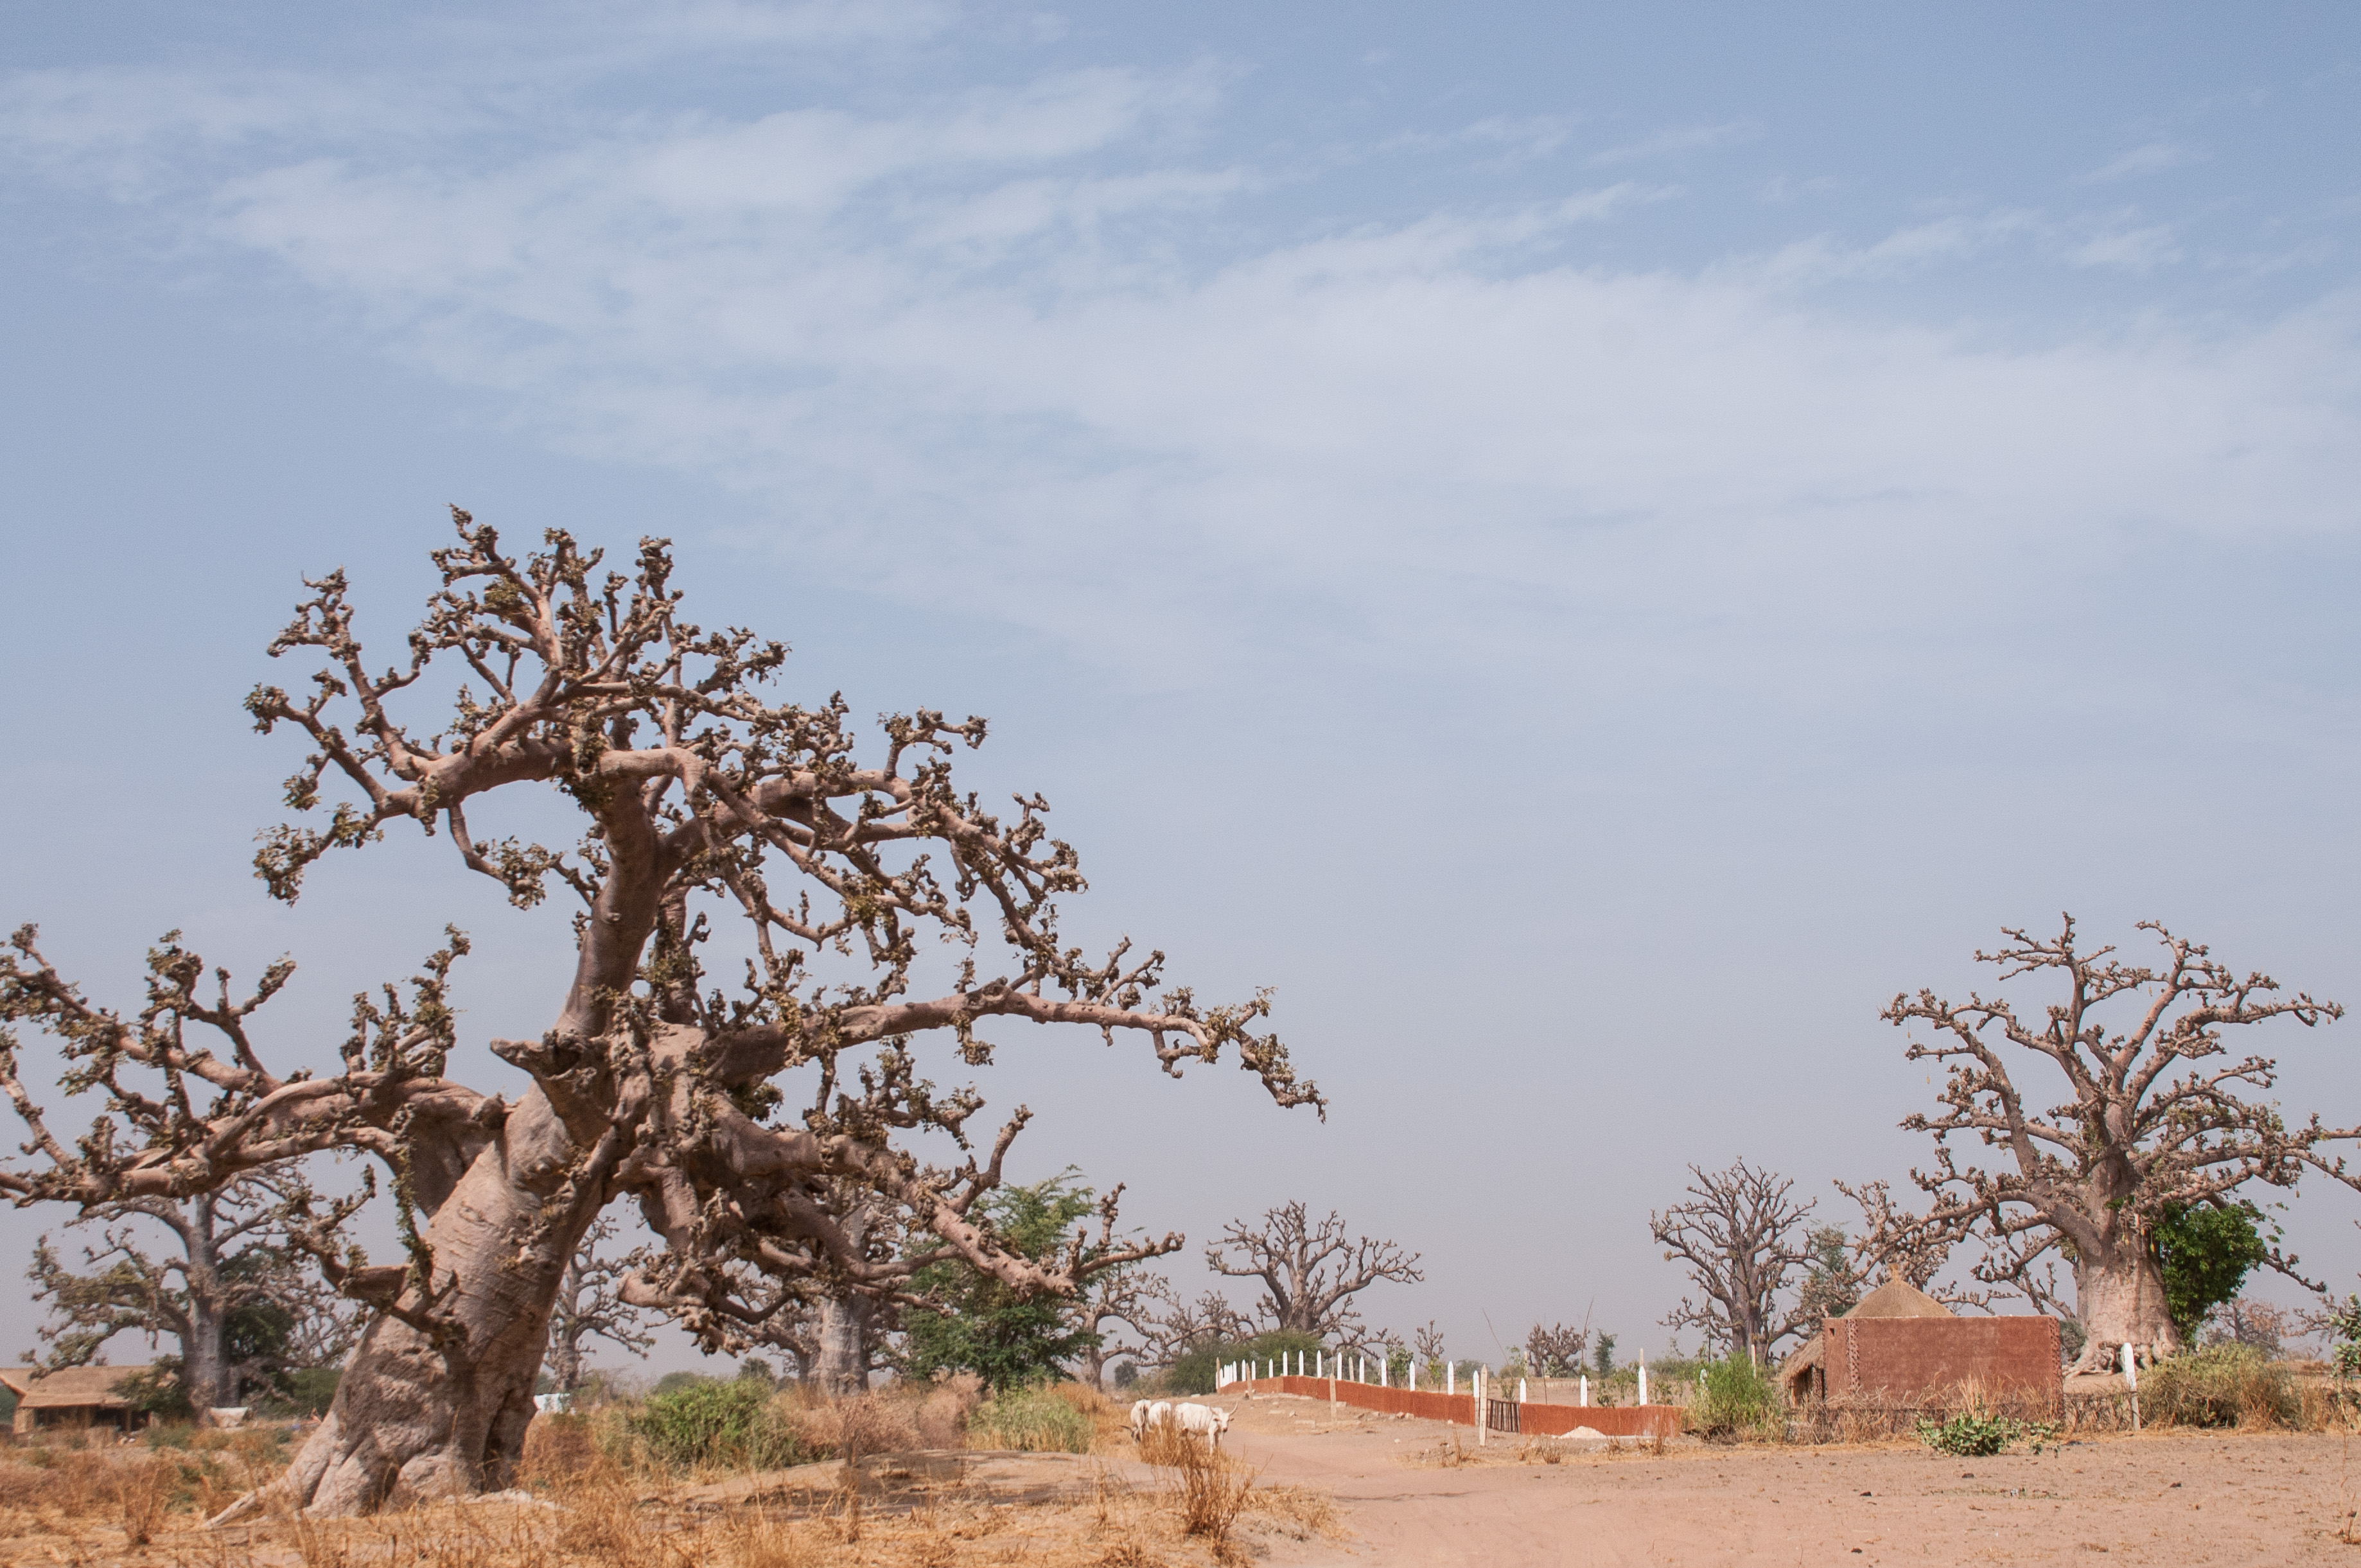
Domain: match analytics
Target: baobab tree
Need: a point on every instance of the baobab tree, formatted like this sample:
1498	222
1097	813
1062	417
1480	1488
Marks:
1308	1273
2157	1113
1740	1235
589	1305
227	1265
723	1112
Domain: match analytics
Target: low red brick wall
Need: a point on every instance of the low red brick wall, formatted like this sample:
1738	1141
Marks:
1909	1358
1539	1420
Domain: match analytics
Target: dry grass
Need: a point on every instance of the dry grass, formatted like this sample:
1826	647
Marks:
145	1509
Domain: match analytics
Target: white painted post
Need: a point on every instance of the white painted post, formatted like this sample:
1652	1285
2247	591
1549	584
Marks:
1520	1394
1451	1377
1643	1378
1483	1415
1585	1400
2131	1381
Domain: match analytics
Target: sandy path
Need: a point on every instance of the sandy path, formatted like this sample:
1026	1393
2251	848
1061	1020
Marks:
2193	1499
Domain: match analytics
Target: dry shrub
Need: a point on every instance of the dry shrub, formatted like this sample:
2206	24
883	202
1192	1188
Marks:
1168	1447
1300	1510
759	1540
561	1452
142	1493
22	1484
603	1524
943	1409
874	1422
1213	1489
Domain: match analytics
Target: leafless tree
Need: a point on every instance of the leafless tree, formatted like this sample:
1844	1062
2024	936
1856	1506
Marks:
229	1256
1118	1299
1557	1351
589	1305
1430	1344
1737	1235
1178	1328
1308	1273
695	794
1895	1244
2157	1113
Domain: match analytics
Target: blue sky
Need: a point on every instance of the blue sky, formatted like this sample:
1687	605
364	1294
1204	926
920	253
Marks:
1589	548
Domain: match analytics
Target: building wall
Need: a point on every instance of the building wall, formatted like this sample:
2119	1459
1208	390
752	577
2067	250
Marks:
1909	1358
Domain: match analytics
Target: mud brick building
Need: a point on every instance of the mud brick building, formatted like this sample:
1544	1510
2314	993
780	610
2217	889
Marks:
1901	1345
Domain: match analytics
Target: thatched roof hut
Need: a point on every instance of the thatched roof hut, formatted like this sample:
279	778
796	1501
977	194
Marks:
1803	1374
72	1397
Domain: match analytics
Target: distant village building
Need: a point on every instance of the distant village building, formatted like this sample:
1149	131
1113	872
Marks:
75	1396
1902	1345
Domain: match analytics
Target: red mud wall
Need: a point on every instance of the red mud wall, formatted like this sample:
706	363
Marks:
1908	1358
1544	1421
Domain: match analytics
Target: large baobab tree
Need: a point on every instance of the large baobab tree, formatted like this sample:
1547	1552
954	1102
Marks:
589	1305
2156	1114
227	1265
875	906
1740	1235
1308	1273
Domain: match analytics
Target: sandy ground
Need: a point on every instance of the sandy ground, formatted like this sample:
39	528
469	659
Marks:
2163	1498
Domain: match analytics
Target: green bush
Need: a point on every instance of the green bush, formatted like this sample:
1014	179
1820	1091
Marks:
717	1424
1735	1395
2220	1386
1034	1421
1978	1434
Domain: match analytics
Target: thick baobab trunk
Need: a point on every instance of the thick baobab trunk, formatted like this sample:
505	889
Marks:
2119	1295
840	1360
417	1418
204	1369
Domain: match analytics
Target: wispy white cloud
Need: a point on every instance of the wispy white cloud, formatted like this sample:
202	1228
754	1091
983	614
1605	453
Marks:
2139	249
2148	158
990	319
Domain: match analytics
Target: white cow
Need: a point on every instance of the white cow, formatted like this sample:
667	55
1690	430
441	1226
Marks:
1207	1420
1145	1415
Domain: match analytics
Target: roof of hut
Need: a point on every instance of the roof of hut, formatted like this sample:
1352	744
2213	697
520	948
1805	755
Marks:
77	1387
1895	1298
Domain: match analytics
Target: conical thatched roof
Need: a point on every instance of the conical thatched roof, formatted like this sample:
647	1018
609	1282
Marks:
1895	1298
1899	1298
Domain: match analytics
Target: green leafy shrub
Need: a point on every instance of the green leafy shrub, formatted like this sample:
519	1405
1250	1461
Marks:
2220	1386
1978	1434
1034	1421
1735	1395
712	1424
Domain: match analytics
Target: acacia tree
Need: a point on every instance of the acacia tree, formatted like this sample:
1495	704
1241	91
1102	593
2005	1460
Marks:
230	1293
1308	1273
2157	1117
696	796
1738	1236
589	1305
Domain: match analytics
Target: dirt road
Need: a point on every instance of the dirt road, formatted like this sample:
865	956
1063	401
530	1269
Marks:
2179	1499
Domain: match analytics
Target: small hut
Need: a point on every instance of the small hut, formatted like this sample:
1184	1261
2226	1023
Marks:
1901	1344
74	1397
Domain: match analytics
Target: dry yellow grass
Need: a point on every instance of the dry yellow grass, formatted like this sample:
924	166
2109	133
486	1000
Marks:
129	1506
